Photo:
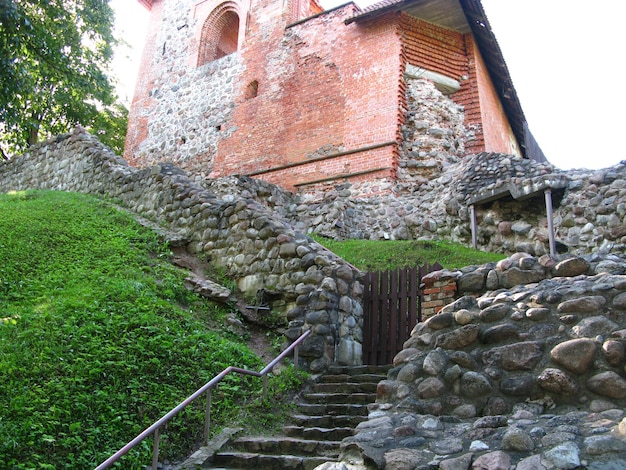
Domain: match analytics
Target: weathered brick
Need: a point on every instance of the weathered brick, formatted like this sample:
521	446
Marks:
303	101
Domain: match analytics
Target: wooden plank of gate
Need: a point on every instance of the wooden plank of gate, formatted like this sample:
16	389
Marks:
367	336
384	316
374	319
393	316
404	309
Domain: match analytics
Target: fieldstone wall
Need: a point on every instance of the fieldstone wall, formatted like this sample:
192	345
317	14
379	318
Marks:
536	333
528	373
189	106
312	288
589	210
433	135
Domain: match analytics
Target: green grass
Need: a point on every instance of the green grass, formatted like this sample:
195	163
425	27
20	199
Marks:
381	255
99	338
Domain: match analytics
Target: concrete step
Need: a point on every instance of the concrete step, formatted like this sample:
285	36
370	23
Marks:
282	445
357	370
242	460
340	398
327	421
345	387
318	433
332	409
347	378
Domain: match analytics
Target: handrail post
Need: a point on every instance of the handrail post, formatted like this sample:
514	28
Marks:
550	216
206	388
265	386
295	358
472	209
207	418
155	449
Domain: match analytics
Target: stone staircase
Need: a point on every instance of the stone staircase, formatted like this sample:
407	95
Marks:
328	411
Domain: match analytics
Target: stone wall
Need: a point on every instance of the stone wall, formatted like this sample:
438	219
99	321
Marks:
528	370
589	210
433	135
180	110
256	231
313	288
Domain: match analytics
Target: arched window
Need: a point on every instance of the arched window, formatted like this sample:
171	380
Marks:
220	33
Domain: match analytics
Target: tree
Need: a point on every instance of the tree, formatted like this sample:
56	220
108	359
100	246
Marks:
54	56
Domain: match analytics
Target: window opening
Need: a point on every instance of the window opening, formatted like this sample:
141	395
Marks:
220	34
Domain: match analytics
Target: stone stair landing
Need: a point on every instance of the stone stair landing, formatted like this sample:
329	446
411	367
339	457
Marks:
328	412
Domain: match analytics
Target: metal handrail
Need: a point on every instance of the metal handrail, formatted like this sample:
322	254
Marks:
156	426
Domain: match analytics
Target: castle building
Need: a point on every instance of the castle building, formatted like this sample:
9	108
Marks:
299	96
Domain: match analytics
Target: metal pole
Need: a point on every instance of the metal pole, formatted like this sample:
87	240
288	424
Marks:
265	386
473	220
207	418
548	196
154	427
295	359
155	449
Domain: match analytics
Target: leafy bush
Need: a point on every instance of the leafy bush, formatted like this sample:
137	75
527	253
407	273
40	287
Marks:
99	338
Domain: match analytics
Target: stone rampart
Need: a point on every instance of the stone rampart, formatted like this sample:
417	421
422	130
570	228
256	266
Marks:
589	206
526	368
314	289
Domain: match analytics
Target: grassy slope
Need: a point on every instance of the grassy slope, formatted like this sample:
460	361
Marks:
375	255
99	338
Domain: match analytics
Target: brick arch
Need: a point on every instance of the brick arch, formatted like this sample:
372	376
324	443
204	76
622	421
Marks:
220	33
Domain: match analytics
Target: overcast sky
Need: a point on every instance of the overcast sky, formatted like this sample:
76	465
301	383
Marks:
566	59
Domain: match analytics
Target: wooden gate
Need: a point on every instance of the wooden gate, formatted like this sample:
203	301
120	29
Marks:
391	308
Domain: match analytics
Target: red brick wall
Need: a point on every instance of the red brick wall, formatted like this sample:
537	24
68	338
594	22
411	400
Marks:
434	48
317	96
468	97
498	136
455	55
439	291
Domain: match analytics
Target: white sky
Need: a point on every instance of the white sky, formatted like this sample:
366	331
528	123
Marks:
566	59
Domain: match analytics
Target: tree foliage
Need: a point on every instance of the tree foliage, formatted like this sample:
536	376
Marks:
54	56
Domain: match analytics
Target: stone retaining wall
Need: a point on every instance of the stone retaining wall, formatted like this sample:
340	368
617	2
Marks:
548	329
589	211
528	363
314	288
256	231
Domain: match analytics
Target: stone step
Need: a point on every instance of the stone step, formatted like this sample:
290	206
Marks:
359	378
345	387
332	409
282	445
357	370
329	412
319	433
241	460
328	421
340	398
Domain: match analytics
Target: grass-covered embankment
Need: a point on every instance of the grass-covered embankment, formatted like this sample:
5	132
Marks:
381	255
99	338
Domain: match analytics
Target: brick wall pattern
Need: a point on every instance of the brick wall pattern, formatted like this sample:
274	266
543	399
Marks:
298	93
